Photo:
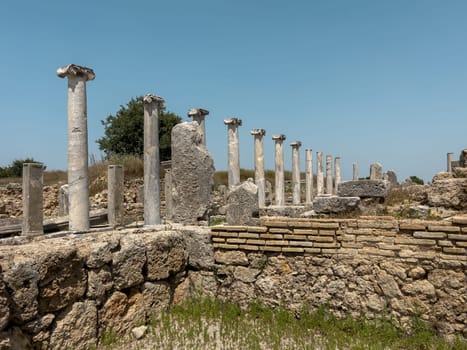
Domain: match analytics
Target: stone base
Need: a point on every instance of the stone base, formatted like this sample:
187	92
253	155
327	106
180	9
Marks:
289	211
335	204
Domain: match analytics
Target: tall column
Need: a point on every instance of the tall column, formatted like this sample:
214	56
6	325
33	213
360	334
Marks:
309	176
152	194
32	199
259	165
328	174
319	173
355	171
199	116
115	189
233	151
78	178
337	174
449	160
296	193
168	194
279	181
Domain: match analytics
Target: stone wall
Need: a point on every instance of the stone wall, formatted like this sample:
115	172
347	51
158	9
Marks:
378	267
65	293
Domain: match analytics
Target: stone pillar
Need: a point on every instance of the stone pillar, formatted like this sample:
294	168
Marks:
233	151
279	181
199	116
309	177
32	199
337	174
259	166
152	194
115	190
328	174
63	203
355	171
168	194
449	159
319	173
78	178
296	193
376	171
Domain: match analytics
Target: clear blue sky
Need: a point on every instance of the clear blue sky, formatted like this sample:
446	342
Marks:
364	80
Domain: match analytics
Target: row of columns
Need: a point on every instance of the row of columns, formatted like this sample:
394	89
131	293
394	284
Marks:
234	167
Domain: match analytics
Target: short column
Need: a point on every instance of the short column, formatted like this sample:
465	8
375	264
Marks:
449	161
78	178
199	116
309	176
376	171
355	171
296	193
32	199
259	165
233	151
115	189
152	196
63	206
328	174
337	174
319	173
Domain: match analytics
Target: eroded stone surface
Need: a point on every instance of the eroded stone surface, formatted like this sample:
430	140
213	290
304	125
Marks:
334	204
364	188
242	204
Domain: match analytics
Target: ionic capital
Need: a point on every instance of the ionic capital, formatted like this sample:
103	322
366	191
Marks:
150	98
258	132
75	70
296	144
197	112
233	121
280	137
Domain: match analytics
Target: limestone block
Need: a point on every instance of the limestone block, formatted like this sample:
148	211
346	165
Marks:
245	274
4	309
448	193
14	339
166	255
242	204
231	257
128	262
364	188
335	205
192	174
99	282
156	296
75	327
199	248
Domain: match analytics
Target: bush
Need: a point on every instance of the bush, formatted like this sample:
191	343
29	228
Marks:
15	169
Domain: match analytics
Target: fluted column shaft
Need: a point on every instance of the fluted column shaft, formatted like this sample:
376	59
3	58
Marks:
319	173
309	176
233	151
296	192
259	166
279	171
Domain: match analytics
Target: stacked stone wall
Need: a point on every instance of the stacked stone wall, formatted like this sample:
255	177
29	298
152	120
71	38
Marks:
375	266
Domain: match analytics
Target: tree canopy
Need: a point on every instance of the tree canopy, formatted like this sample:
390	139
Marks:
124	132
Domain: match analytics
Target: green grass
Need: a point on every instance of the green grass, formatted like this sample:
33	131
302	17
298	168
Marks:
213	324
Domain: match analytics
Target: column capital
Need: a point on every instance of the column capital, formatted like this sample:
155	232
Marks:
296	144
150	98
258	132
197	112
233	121
280	137
75	70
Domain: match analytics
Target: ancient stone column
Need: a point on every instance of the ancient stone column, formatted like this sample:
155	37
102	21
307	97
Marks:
115	189
279	181
199	116
449	160
319	173
233	151
78	178
259	166
152	194
32	199
63	202
376	171
337	174
328	174
168	194
309	177
296	193
355	171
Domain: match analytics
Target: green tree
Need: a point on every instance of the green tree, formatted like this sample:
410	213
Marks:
417	180
15	169
124	132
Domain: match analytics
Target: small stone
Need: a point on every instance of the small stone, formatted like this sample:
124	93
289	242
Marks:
139	332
